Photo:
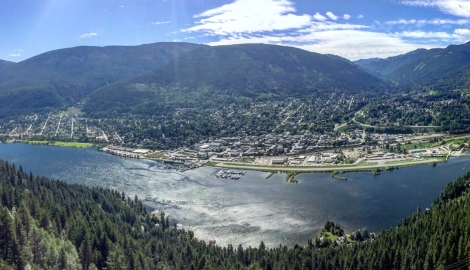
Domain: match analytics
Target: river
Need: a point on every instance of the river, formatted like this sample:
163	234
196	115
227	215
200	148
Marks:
253	208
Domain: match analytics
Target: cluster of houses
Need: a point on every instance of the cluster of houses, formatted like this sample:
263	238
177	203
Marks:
286	144
271	144
278	146
279	149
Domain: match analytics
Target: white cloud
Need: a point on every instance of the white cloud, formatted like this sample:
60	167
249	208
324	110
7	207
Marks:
247	16
454	7
158	23
349	43
432	22
16	53
360	16
458	36
356	44
331	16
462	32
121	6
422	34
319	17
89	35
275	22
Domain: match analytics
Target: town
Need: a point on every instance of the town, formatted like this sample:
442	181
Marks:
329	130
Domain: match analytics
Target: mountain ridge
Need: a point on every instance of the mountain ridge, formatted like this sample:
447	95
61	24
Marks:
5	64
434	65
385	66
65	76
251	70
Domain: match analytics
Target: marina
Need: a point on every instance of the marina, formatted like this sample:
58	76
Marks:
230	174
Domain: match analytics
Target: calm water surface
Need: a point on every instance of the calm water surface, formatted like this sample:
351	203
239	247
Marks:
251	209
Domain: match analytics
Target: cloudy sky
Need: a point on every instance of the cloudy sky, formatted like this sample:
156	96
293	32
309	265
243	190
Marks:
353	29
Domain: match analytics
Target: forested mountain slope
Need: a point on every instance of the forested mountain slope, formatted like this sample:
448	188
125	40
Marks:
63	77
211	76
4	64
434	66
49	224
382	67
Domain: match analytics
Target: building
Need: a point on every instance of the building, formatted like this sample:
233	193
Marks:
278	161
417	151
311	159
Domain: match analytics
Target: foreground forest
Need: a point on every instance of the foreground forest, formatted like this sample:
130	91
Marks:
48	224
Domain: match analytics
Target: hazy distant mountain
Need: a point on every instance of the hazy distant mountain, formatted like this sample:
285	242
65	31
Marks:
436	66
382	67
65	76
4	64
215	75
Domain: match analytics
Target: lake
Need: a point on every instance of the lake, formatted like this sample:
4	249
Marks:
253	208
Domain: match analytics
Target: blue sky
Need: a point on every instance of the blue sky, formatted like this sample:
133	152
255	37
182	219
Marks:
353	29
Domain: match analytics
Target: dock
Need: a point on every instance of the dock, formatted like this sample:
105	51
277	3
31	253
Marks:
230	174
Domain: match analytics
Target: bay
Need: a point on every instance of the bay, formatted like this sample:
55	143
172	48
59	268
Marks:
253	208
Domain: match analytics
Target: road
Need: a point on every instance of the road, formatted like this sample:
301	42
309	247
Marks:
58	126
44	127
340	126
71	131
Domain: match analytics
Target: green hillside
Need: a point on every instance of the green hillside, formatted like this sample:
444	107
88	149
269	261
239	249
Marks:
63	77
46	224
434	66
212	76
4	64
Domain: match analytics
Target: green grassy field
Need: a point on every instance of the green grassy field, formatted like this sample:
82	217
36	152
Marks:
453	143
61	144
419	145
73	144
211	163
38	142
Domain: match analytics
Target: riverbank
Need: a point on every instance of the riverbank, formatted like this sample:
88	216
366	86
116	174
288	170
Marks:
61	144
338	168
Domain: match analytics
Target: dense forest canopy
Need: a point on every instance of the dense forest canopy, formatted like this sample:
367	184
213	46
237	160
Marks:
48	224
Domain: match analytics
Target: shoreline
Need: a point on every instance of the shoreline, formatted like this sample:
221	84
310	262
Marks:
373	167
339	169
56	144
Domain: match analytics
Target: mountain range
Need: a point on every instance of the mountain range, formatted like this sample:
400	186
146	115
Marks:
439	69
383	67
150	76
154	77
63	77
222	74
